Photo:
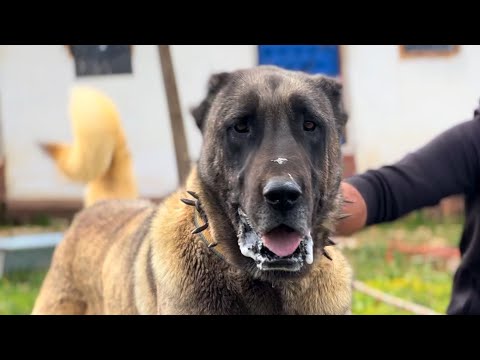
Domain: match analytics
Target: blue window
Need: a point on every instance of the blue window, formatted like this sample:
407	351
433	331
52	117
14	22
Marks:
314	59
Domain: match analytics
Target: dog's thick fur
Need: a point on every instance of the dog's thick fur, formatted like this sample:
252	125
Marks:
99	155
133	257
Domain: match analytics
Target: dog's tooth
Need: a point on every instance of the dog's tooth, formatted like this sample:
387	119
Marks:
344	216
200	228
188	202
327	255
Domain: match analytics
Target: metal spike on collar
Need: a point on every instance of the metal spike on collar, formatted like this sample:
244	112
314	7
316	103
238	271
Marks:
193	193
198	207
189	202
330	242
200	228
327	255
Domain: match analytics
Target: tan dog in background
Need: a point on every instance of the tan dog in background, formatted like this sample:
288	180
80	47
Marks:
99	155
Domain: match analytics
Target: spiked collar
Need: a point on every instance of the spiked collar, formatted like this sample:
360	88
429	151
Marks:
206	237
201	224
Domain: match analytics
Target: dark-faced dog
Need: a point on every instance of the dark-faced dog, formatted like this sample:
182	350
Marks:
249	232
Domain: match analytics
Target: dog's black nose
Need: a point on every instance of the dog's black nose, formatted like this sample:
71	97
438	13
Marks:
281	194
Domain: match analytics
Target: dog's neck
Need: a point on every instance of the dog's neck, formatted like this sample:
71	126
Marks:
211	228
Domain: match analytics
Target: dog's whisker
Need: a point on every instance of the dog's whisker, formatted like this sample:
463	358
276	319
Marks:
330	242
188	202
200	228
327	255
348	201
344	216
193	193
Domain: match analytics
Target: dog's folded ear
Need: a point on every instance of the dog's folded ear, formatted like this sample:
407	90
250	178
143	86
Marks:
216	82
334	91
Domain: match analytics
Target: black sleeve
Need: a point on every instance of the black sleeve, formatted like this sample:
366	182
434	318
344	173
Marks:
448	165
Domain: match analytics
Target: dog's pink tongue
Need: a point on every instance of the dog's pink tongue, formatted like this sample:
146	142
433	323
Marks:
282	242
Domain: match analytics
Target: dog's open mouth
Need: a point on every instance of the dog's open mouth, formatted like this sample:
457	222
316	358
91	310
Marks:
283	241
281	248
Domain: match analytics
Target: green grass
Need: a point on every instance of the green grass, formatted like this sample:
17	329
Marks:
421	282
427	283
18	292
414	279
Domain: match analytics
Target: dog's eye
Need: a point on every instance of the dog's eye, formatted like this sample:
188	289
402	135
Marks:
242	127
309	126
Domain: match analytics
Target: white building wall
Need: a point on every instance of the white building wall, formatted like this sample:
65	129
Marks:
34	91
395	106
398	104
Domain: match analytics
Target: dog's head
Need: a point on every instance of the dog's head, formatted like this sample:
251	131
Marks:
271	161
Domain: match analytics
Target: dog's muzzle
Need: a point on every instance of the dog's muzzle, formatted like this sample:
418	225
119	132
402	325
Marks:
282	249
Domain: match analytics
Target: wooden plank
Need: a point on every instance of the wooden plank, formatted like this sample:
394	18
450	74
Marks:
392	300
176	120
24	210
